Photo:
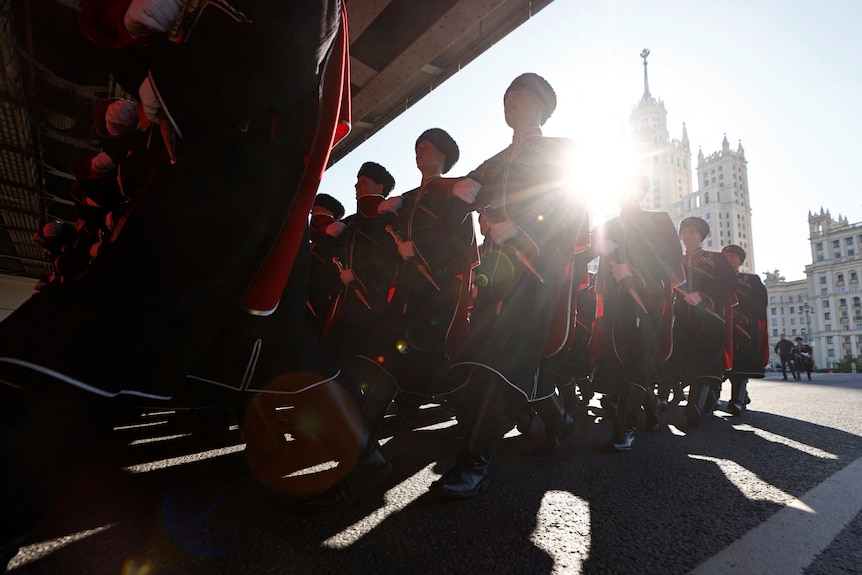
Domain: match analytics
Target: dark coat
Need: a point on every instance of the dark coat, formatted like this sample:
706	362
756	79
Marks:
636	340
750	336
699	337
509	336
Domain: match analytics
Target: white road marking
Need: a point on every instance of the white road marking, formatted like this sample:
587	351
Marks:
788	542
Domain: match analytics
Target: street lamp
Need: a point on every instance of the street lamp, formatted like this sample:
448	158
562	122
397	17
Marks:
807	309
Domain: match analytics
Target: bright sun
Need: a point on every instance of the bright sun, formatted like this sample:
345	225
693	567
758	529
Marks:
601	173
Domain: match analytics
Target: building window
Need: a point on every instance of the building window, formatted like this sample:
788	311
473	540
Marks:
846	327
775	332
842	289
851	252
822	279
775	321
824	291
826	303
792	309
774	311
828	327
799	298
829	339
854	277
837	255
820	257
827	315
840	277
836	243
772	299
820	247
849	241
793	321
831	353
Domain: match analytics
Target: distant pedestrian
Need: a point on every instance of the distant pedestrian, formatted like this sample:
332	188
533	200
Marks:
784	349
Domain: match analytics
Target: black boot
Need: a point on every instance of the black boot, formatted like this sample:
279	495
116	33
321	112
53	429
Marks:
559	424
698	397
481	420
626	420
378	398
738	395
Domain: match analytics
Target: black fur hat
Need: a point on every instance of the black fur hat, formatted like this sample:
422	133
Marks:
735	249
328	202
379	174
444	142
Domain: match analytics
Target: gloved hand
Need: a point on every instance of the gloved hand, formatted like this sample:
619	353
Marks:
621	271
120	117
407	250
335	229
149	102
391	205
347	276
693	299
466	190
146	17
502	231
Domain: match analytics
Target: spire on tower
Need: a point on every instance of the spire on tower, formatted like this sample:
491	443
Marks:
684	135
725	145
646	96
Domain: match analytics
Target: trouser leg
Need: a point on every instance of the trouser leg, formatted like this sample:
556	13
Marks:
738	394
378	397
626	420
698	399
480	413
558	423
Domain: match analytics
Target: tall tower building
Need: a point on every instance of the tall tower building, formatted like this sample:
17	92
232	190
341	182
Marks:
666	161
722	177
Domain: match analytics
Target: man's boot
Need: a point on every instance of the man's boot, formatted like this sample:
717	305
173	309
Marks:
626	420
481	421
738	395
698	396
559	424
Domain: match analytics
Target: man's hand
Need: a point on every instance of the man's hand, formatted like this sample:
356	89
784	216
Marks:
466	190
335	229
391	205
503	231
620	271
347	276
146	17
407	250
693	299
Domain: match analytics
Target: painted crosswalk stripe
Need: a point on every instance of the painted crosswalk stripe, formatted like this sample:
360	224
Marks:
788	542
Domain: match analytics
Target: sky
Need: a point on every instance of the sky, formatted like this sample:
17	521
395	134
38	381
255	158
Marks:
782	78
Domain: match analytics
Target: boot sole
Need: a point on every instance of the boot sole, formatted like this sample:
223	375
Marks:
481	486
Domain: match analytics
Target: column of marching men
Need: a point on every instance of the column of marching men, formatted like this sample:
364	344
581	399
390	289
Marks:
195	271
413	311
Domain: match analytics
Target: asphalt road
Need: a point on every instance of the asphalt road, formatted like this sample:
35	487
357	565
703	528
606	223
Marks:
778	490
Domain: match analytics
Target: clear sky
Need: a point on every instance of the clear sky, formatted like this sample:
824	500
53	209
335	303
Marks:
781	77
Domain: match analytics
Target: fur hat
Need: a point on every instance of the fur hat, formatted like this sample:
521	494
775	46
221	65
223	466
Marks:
735	249
697	223
379	174
444	143
540	87
328	202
